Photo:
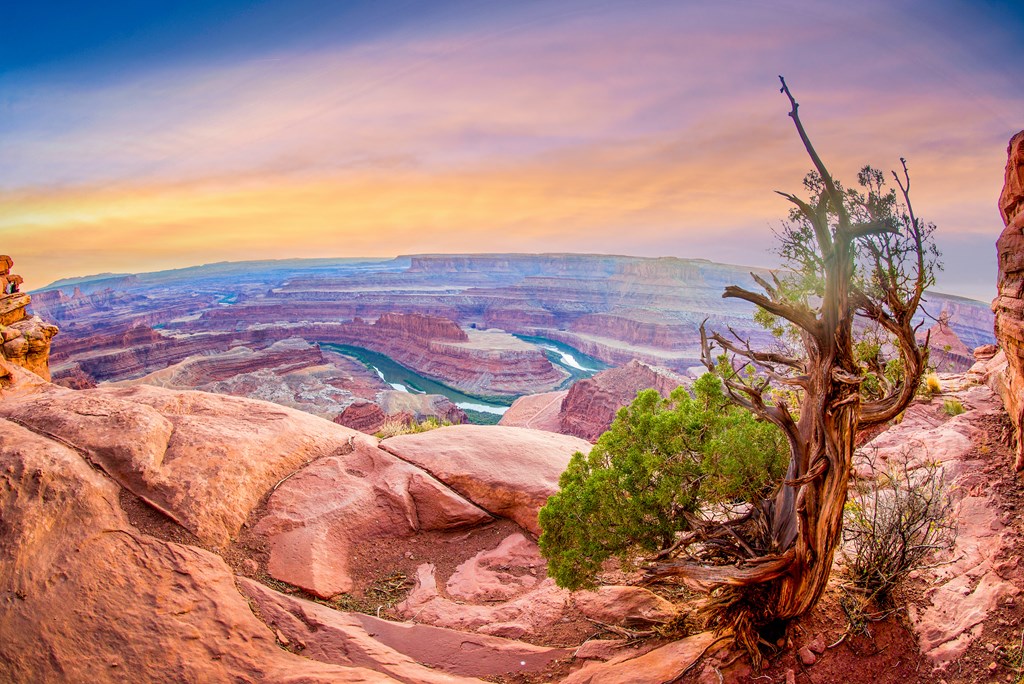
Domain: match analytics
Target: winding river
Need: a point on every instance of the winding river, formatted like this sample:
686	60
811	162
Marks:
479	409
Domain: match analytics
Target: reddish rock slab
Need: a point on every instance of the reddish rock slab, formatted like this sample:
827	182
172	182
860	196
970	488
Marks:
84	597
507	471
408	652
536	411
1009	302
498	592
591	404
316	517
498	574
967	583
205	460
661	665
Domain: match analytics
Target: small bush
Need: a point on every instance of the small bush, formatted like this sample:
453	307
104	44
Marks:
953	407
396	425
932	385
894	522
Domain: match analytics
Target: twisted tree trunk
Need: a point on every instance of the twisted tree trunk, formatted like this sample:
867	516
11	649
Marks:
782	567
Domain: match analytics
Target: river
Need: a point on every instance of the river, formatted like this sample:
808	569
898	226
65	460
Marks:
479	409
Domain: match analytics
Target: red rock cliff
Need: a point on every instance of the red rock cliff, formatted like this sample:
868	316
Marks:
591	404
1009	302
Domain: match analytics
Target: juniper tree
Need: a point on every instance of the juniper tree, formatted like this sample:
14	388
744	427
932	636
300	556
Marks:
848	254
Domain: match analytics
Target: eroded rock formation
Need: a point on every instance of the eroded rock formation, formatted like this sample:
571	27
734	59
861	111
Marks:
483	362
1009	303
24	339
590	407
147	599
507	471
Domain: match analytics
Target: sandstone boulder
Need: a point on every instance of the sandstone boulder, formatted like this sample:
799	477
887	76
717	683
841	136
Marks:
316	517
507	471
86	597
204	460
665	664
24	339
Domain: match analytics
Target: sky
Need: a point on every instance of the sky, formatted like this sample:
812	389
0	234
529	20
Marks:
139	136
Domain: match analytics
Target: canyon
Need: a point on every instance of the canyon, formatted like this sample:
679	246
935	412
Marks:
481	325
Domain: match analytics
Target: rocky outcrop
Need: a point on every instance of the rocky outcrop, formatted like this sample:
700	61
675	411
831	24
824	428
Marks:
946	352
315	518
364	416
592	403
506	471
1009	303
403	407
202	459
291	372
420	407
482	362
88	597
71	536
968	583
24	339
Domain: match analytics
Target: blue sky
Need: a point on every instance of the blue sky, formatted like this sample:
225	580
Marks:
146	135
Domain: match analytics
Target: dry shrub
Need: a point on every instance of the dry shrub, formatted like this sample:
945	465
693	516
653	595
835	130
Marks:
400	425
953	407
894	521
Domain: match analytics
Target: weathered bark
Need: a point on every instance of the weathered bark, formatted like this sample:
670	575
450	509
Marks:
796	533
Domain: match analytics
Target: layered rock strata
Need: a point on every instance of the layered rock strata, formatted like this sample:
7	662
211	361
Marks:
591	404
1009	302
587	409
24	339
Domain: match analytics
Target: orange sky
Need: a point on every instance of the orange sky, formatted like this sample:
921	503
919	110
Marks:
636	130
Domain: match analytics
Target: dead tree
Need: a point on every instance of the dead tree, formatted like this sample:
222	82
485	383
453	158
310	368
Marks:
850	254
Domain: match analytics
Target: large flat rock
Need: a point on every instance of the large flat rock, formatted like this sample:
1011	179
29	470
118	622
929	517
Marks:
318	516
404	651
205	460
507	471
85	597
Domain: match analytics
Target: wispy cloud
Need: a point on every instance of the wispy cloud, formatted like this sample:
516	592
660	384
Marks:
650	130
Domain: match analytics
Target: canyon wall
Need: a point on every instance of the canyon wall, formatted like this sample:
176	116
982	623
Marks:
447	317
588	408
1009	302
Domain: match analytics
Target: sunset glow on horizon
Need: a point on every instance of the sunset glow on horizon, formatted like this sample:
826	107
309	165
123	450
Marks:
314	129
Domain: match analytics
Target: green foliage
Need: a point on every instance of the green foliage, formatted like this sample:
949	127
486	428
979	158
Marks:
953	407
660	460
882	263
